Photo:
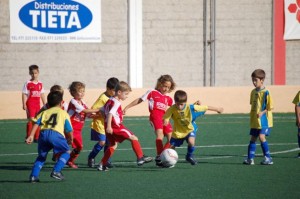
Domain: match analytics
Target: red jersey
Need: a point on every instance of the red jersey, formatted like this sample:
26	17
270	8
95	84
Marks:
33	90
113	106
75	112
157	101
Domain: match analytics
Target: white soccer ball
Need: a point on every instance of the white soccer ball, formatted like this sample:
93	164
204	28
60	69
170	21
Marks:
169	157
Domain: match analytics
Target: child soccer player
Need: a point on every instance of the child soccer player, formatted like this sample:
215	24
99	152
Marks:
32	93
78	111
116	132
55	125
64	107
261	118
97	125
59	89
296	101
185	127
158	102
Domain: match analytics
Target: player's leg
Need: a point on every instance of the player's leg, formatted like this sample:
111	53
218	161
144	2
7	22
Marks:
299	140
191	148
159	141
60	146
100	138
136	147
265	146
108	153
43	148
35	112
77	147
108	164
29	123
167	130
251	147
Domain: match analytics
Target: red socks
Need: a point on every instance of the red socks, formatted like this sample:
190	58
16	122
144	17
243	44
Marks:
167	145
137	148
159	146
108	153
28	128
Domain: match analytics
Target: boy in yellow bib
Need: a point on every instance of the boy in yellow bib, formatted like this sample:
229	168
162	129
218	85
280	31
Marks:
184	128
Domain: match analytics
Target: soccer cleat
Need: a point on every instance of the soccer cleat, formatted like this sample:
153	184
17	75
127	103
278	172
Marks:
248	161
143	160
168	166
267	161
91	163
57	175
102	168
109	165
158	161
72	165
54	158
33	179
298	155
191	160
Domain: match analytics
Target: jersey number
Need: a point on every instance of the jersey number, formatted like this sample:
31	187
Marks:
52	120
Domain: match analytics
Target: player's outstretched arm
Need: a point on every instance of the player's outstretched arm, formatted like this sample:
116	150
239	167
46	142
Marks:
133	103
216	109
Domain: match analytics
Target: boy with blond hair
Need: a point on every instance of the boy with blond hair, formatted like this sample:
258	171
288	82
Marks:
116	132
78	111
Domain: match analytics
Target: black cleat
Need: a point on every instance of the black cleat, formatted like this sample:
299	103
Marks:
158	161
91	163
33	179
102	168
191	160
109	165
57	175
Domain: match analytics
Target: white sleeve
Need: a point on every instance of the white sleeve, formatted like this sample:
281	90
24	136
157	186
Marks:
24	90
79	108
115	107
145	96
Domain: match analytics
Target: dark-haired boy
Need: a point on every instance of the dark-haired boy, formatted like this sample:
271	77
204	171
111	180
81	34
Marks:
55	124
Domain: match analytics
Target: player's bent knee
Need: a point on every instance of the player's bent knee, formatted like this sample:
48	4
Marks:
133	137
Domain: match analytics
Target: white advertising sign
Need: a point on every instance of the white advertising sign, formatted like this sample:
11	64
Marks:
55	21
292	19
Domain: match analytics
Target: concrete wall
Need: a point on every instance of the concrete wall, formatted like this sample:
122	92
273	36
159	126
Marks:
232	99
172	43
64	63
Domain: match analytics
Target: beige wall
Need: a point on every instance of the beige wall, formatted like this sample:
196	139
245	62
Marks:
232	99
172	43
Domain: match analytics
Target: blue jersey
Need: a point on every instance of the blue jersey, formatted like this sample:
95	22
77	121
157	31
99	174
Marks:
195	115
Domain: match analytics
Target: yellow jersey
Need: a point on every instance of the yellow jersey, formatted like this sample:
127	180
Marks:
98	122
183	119
55	119
296	100
261	100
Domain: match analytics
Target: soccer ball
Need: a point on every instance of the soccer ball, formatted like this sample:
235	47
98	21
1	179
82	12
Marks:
169	157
